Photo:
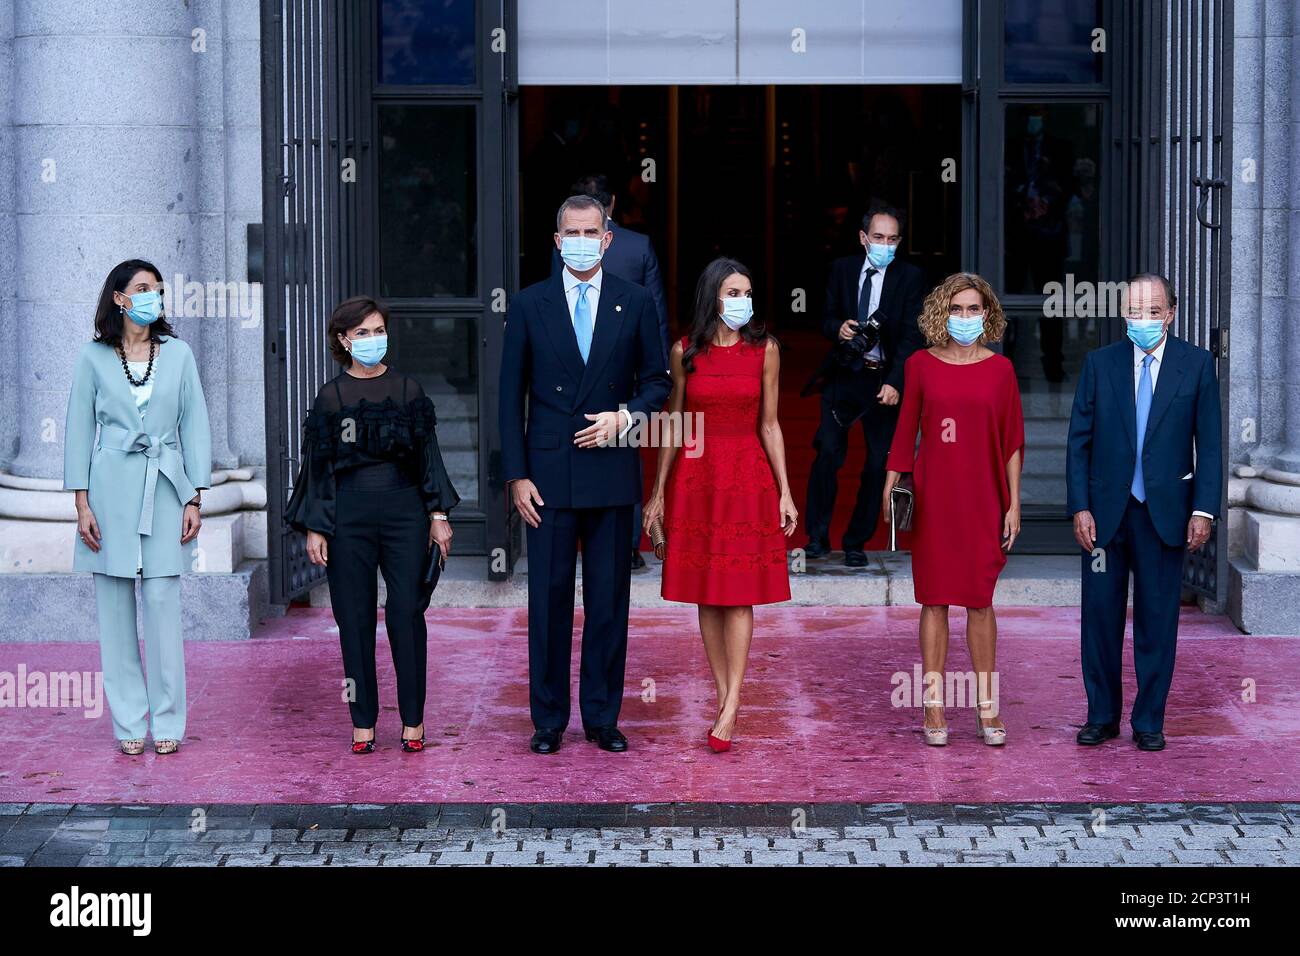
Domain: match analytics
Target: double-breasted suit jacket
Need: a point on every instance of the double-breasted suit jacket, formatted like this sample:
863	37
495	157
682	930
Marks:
137	471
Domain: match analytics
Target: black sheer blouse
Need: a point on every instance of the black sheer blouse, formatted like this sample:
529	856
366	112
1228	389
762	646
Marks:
360	428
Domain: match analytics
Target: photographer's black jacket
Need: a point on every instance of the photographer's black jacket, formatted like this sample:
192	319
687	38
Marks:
900	309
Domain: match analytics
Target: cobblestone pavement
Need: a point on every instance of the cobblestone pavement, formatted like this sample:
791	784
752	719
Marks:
650	835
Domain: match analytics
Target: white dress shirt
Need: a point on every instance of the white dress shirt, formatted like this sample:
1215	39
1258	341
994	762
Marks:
593	301
1157	359
877	284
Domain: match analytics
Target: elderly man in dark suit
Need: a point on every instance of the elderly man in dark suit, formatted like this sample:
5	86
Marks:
1144	483
630	256
583	347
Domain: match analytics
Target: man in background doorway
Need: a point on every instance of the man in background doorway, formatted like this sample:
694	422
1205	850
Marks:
630	256
873	303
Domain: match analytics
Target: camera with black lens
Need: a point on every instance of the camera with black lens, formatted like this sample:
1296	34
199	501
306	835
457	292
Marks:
852	353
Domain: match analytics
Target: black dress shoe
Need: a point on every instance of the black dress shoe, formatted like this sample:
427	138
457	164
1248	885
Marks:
816	549
1092	734
855	559
637	561
608	738
1149	739
546	741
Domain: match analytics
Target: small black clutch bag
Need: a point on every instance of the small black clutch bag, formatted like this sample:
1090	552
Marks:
434	562
902	499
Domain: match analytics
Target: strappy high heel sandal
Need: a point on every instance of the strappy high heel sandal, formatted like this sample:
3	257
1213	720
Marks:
935	736
166	746
132	748
993	736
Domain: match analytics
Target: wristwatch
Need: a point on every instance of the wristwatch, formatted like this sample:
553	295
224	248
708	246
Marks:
438	516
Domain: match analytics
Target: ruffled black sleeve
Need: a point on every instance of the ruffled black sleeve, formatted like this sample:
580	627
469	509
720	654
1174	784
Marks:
311	506
435	485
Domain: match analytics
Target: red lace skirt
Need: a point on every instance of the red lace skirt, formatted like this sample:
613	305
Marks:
723	525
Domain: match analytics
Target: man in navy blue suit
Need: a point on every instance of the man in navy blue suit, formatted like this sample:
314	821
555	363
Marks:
584	348
1144	482
630	256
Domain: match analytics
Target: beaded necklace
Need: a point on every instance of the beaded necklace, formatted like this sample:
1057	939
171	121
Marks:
153	350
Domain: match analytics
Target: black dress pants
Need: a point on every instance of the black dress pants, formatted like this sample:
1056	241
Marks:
1157	570
846	394
385	529
606	596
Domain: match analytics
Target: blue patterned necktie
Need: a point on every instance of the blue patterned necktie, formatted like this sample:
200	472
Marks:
1143	413
582	326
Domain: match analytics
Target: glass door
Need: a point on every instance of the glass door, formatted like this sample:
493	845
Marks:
1039	96
439	121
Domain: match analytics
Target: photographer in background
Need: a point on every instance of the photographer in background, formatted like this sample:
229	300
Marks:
872	306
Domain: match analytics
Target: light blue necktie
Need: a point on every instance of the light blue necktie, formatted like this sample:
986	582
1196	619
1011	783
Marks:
1143	412
582	326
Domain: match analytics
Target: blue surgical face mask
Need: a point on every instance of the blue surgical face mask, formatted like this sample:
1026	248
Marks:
737	311
369	350
580	253
880	254
146	307
966	330
1145	333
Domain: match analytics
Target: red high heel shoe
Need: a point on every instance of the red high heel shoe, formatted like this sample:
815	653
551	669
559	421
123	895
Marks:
717	744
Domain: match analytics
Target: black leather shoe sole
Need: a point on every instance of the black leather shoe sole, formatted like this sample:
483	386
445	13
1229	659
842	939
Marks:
638	562
855	559
1092	734
816	550
1149	741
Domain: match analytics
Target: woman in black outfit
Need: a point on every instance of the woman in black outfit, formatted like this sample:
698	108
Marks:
372	492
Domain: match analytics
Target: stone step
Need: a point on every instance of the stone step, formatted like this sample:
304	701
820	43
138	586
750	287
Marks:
60	606
1027	580
1046	432
1047	404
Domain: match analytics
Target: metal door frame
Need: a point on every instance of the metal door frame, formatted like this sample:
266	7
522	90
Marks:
320	98
305	210
987	95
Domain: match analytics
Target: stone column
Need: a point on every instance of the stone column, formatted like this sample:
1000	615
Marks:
1264	492
1288	459
106	170
8	226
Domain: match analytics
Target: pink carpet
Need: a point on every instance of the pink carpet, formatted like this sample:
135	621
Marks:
266	723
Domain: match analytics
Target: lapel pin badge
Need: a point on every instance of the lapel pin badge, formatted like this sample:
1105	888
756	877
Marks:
618	308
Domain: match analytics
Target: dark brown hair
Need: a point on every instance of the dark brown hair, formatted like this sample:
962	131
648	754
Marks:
108	314
706	317
347	315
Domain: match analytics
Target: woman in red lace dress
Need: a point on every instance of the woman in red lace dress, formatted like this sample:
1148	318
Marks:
729	508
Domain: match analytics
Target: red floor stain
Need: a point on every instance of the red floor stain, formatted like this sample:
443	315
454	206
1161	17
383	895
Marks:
266	723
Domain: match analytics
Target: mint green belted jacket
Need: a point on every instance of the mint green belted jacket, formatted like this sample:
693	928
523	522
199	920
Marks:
137	472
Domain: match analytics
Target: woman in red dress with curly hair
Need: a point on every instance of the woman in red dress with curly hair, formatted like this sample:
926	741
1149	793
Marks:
729	508
964	400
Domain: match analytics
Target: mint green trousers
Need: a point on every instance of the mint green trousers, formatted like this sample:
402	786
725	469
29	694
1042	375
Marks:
131	699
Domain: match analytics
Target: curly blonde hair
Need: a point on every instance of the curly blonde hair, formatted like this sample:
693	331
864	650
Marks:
934	313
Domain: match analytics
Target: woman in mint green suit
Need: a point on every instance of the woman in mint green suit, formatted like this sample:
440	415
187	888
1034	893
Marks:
137	452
